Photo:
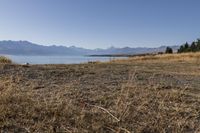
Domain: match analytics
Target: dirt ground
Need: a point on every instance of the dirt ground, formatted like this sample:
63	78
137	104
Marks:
104	76
95	84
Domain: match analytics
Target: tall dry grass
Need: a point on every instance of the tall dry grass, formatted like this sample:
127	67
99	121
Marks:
4	60
176	57
182	57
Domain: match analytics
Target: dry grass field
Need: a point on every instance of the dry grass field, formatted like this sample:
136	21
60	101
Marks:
151	94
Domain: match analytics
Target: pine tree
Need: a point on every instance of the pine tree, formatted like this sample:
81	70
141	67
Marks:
181	49
193	47
169	50
198	44
186	47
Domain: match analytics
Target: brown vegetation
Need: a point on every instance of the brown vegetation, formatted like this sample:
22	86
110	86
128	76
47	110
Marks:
169	57
159	59
122	97
4	60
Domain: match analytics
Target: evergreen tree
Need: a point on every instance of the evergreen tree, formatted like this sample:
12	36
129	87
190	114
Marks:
186	47
198	44
169	50
193	47
181	49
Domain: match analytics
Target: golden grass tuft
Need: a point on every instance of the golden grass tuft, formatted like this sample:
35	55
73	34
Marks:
4	60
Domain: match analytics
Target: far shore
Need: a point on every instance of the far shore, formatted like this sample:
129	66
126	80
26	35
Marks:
124	55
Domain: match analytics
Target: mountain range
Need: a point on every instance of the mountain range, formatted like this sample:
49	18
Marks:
28	48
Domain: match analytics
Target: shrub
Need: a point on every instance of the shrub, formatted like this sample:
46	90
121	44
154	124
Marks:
4	60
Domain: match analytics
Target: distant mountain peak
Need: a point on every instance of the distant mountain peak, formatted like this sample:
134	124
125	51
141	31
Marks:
72	46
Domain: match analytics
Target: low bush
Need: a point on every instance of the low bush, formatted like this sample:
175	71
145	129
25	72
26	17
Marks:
4	59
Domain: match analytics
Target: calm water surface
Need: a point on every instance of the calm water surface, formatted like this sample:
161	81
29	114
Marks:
58	59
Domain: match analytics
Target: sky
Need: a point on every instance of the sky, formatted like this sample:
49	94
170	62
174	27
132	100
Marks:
100	23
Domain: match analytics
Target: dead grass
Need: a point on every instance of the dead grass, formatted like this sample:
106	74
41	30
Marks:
5	60
132	108
182	57
156	107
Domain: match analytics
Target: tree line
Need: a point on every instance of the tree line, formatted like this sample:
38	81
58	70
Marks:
193	47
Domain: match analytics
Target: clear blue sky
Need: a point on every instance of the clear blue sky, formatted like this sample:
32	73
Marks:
100	23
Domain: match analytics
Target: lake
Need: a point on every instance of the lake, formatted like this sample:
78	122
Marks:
58	59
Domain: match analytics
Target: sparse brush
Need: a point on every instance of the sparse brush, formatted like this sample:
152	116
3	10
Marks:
5	60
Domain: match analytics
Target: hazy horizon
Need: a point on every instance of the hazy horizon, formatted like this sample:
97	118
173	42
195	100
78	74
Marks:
101	23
